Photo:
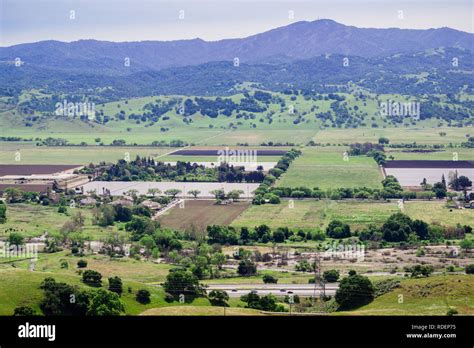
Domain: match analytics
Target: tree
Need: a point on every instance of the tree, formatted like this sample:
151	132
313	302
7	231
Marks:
81	264
154	191
466	244
235	194
218	298
3	213
354	291
107	215
397	228
143	296
337	229
246	268
172	192
269	279
383	140
194	193
92	278
331	276
15	238
115	285
13	195
24	311
105	303
439	190
180	281
57	299
420	271
218	194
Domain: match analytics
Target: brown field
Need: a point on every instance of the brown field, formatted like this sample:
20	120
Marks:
198	214
29	169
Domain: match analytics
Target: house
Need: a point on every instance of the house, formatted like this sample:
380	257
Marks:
122	202
88	201
151	205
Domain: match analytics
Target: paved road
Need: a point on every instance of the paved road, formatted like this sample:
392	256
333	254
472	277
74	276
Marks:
237	290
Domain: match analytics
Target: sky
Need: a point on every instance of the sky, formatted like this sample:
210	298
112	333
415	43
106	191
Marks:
23	21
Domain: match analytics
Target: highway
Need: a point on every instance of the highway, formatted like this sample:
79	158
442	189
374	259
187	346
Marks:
237	290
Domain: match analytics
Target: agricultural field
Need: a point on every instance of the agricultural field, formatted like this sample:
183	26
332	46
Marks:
429	135
451	154
312	213
326	167
198	214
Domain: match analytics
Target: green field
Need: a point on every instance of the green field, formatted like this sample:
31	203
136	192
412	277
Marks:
462	154
428	296
33	220
326	167
21	288
312	213
420	134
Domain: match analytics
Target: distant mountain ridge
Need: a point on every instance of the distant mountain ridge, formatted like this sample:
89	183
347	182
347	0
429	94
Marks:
300	40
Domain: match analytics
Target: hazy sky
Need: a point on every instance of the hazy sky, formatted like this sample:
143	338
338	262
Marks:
134	20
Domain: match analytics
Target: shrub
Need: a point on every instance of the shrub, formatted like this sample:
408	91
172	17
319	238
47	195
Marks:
92	278
269	279
331	276
81	264
143	296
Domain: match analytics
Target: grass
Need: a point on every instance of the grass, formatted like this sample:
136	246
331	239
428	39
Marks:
125	268
421	134
435	211
463	154
21	288
199	214
428	296
33	220
312	213
325	167
201	311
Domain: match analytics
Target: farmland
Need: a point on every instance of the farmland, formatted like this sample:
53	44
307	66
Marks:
328	168
197	214
311	214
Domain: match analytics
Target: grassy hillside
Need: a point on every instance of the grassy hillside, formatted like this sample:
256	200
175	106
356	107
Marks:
427	296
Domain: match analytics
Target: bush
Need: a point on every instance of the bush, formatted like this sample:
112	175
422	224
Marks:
451	312
470	269
143	296
81	264
92	278
115	285
337	229
331	276
269	279
354	291
24	311
247	268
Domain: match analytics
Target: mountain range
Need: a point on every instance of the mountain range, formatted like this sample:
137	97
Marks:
300	40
